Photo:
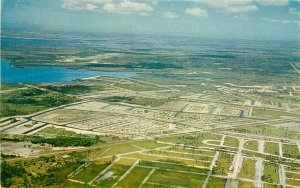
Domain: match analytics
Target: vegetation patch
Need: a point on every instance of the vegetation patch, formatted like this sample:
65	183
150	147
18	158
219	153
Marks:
89	173
182	155
149	144
271	173
214	182
244	184
152	102
57	131
31	100
165	165
192	151
248	169
119	149
112	175
293	182
149	157
134	178
272	148
223	164
271	185
10	86
192	139
260	112
267	130
230	141
290	151
176	178
292	175
72	88
251	145
65	141
39	172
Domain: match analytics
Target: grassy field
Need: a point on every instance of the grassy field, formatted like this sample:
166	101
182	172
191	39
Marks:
293	182
230	141
214	142
134	178
290	151
91	171
214	182
272	148
149	144
248	169
223	164
259	112
172	166
136	86
175	178
192	139
117	170
192	151
267	130
152	102
244	184
270	185
56	131
251	144
71	184
292	175
150	157
182	155
120	148
154	185
271	173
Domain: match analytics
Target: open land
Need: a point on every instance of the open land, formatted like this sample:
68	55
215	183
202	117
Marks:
211	121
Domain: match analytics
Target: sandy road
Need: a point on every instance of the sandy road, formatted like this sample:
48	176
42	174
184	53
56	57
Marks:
282	176
126	173
237	165
280	149
212	165
105	170
259	171
147	177
261	146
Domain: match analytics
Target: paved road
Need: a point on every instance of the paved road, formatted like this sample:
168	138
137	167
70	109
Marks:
259	171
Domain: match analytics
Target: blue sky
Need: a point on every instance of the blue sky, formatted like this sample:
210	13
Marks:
249	19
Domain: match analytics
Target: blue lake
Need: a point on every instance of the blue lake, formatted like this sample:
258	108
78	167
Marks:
48	74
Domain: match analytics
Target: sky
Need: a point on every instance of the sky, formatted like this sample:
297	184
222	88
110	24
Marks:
245	19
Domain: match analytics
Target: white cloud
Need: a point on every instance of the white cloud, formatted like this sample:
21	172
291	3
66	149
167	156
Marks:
241	17
231	6
89	5
239	9
282	21
240	6
170	15
111	6
196	12
227	3
154	2
128	7
294	11
297	22
273	2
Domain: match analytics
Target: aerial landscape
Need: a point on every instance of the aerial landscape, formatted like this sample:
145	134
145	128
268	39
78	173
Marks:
150	94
